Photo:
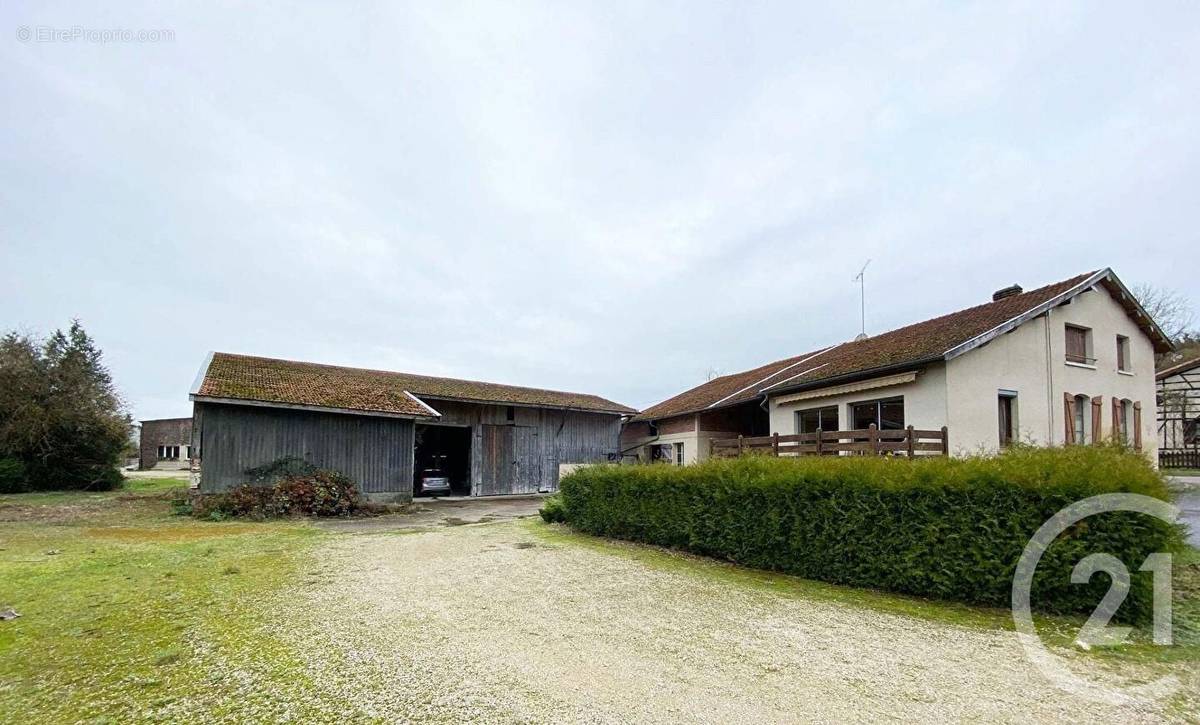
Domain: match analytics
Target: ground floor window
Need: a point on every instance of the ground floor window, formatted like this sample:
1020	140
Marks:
1081	418
808	421
168	453
662	453
678	454
1007	402
886	414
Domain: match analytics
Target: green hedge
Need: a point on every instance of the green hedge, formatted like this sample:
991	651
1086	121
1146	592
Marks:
936	527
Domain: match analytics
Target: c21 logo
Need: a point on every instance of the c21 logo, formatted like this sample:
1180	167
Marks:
1096	631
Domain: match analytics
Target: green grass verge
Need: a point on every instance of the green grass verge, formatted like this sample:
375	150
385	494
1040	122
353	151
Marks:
130	613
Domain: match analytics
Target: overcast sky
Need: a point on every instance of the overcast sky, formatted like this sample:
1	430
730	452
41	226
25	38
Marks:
609	198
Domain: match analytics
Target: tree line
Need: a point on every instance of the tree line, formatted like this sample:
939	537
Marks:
63	424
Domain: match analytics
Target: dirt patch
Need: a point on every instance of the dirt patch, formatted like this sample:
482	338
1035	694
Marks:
80	507
168	534
428	514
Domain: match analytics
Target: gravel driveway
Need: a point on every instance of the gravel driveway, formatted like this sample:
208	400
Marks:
518	621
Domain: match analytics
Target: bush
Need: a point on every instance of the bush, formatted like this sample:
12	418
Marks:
553	511
279	468
60	414
12	476
938	527
321	493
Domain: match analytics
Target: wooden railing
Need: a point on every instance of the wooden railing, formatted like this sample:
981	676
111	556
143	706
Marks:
1179	457
872	441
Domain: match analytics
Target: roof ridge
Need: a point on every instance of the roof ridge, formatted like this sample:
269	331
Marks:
973	308
927	320
411	375
907	344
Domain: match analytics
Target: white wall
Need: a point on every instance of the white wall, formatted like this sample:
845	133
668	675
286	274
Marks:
695	445
1032	361
1016	361
924	403
1099	311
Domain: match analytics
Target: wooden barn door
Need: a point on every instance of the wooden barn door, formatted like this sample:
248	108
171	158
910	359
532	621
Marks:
527	460
497	460
512	460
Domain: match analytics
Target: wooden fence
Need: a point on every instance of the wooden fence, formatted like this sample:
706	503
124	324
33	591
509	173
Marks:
872	441
1179	458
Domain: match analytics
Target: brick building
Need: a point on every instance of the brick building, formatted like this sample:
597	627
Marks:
166	444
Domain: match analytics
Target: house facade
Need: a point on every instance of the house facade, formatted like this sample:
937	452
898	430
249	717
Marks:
165	444
1071	362
385	430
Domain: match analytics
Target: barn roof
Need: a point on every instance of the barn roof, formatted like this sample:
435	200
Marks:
1178	367
940	338
291	383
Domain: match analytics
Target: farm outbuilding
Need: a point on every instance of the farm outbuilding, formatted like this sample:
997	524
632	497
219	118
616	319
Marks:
386	429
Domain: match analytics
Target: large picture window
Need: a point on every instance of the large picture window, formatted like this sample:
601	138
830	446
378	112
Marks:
808	421
886	414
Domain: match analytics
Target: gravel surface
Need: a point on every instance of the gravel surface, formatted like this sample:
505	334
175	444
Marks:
498	622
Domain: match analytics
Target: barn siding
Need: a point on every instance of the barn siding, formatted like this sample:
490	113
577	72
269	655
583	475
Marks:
563	436
376	453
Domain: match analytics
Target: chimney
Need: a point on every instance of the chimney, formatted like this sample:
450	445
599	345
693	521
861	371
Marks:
1006	292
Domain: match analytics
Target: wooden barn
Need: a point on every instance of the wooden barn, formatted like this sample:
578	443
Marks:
385	430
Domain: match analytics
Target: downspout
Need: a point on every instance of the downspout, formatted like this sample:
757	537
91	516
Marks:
1049	387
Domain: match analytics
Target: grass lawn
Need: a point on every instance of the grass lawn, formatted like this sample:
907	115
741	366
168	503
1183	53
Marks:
130	613
1182	471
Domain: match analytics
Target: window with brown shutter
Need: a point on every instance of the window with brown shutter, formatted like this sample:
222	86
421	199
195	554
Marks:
1077	345
1137	425
1007	414
1068	418
1078	408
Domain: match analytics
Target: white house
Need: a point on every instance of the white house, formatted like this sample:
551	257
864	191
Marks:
1069	362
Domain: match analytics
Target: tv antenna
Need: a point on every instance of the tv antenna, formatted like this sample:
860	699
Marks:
862	296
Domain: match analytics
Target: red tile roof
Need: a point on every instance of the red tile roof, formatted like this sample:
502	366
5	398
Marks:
289	382
912	345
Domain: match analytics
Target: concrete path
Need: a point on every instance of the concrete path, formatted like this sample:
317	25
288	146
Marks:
1188	497
442	512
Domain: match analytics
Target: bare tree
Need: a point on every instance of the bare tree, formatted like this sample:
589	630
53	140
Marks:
1170	309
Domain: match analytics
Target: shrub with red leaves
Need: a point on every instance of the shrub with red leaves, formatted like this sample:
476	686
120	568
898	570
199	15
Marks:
319	493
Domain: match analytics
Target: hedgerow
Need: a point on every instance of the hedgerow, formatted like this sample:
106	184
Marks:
937	527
